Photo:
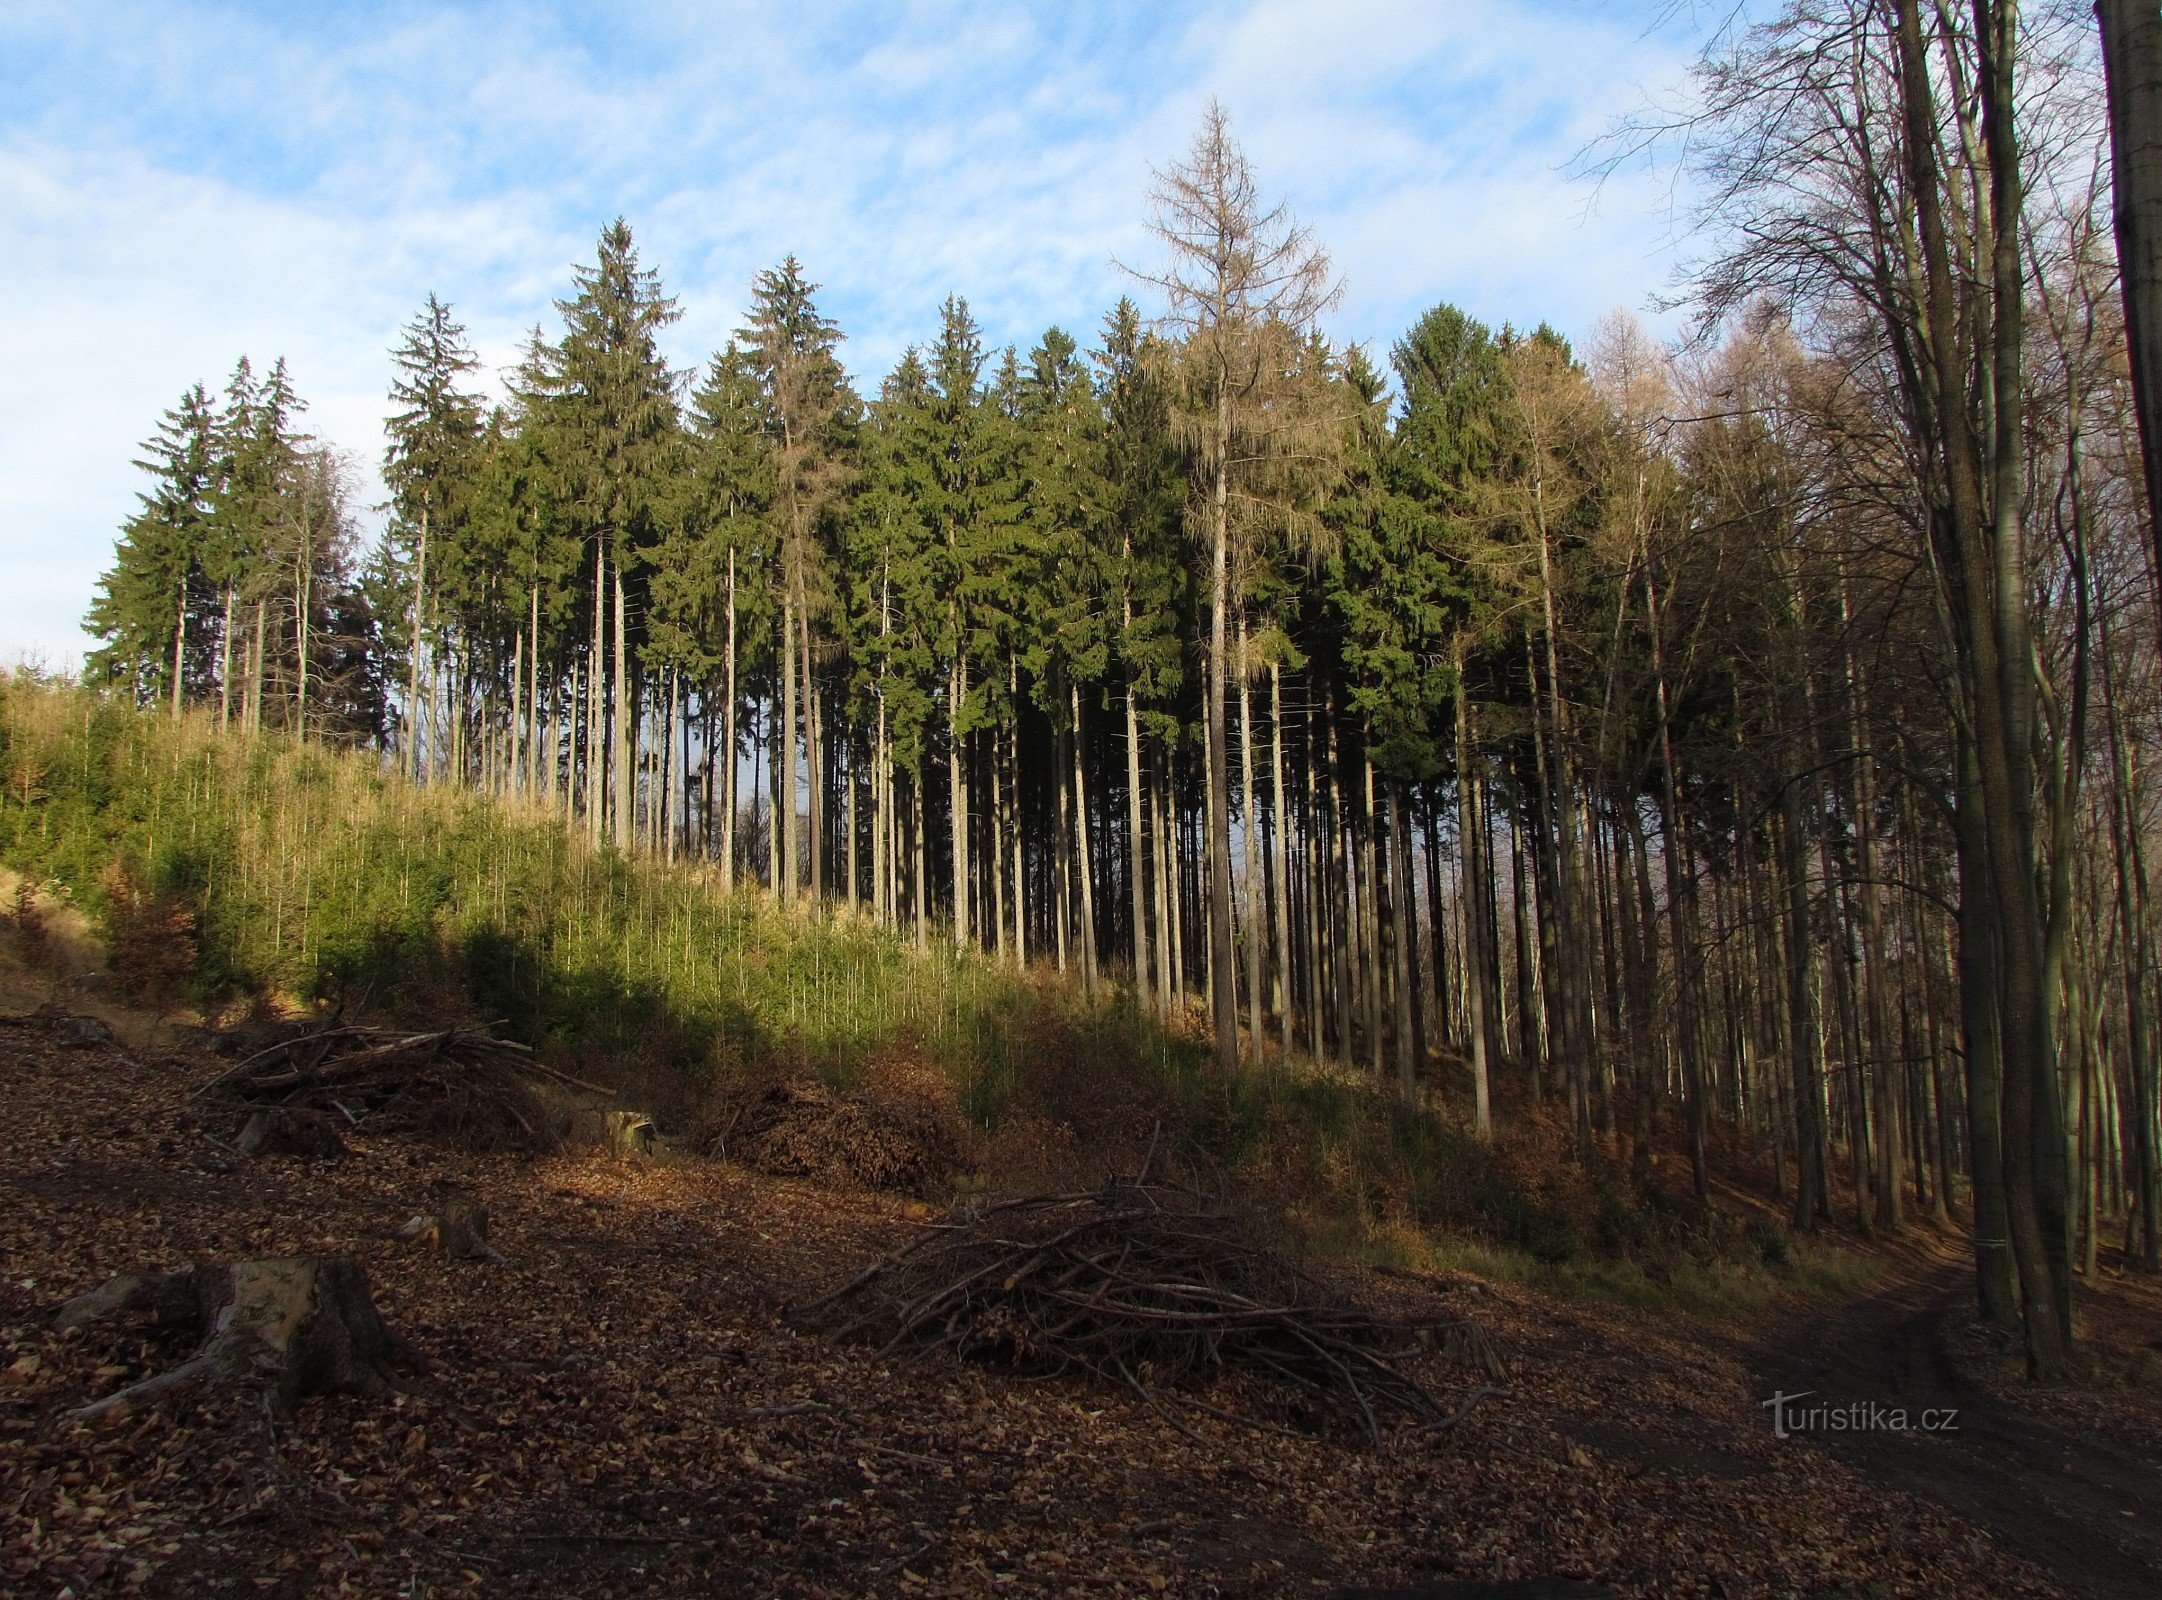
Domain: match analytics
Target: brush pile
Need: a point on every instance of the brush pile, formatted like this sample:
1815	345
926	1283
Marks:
458	1084
1148	1285
905	1143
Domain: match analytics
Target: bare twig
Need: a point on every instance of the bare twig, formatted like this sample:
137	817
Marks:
1148	1286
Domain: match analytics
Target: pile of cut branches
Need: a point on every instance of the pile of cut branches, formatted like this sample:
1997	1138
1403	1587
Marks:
1148	1285
879	1141
459	1084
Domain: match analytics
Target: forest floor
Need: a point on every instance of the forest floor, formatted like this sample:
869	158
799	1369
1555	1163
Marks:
2066	1477
619	1408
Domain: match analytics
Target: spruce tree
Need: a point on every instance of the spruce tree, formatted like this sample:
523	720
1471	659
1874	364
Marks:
1242	285
897	606
430	467
713	600
607	402
159	574
811	417
1144	568
965	446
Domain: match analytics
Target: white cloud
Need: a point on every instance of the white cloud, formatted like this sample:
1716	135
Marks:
185	187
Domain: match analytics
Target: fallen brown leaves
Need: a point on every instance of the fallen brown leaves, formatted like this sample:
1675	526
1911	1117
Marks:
621	1409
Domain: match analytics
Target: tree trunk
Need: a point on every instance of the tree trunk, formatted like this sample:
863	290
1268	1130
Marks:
1811	1190
2132	67
725	757
814	765
1249	835
957	786
1223	988
1136	846
1279	846
1084	863
1400	940
623	785
291	1327
595	668
413	647
1469	829
2131	896
782	780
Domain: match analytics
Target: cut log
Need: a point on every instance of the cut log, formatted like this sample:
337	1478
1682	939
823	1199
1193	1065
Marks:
290	1131
290	1326
458	1227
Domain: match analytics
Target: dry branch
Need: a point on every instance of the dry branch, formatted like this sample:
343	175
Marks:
1149	1286
458	1083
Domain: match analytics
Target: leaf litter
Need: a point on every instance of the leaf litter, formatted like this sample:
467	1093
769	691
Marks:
625	1406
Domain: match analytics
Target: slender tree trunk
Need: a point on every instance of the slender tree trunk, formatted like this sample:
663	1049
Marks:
225	665
957	783
1401	936
1530	982
1678	943
515	777
1317	885
413	647
727	753
814	826
1136	842
623	796
1811	1191
1339	935
2132	66
2131	895
1169	830
1996	1289
301	606
180	644
853	778
920	879
783	782
594	671
1170	991
1015	843
998	843
1469	827
531	777
1084	862
1249	833
1223	988
672	787
1371	970
1279	846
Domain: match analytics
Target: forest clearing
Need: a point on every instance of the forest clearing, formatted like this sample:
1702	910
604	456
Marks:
620	1383
619	1407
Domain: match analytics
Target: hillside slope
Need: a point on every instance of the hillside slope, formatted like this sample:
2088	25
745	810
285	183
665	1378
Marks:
619	1409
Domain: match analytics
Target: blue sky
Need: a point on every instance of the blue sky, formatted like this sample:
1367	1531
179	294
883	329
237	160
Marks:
184	183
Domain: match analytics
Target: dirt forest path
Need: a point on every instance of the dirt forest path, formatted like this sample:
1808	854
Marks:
2084	1507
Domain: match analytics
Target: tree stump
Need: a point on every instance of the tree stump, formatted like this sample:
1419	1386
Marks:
290	1131
458	1227
291	1326
625	1135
